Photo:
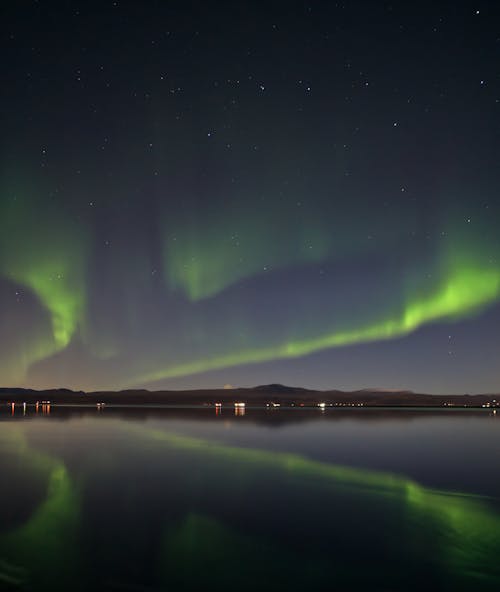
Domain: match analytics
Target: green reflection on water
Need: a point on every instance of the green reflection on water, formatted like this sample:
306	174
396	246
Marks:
458	534
469	528
228	556
43	552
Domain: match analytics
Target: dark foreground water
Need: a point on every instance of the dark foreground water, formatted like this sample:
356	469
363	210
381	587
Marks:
172	499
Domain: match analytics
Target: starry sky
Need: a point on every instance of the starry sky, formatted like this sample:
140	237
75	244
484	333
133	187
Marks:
195	194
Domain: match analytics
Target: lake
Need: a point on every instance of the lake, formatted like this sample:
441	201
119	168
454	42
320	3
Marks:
273	499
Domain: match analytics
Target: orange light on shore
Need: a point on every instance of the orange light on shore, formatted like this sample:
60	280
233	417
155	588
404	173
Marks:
239	408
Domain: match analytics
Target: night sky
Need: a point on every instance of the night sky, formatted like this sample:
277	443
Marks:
195	194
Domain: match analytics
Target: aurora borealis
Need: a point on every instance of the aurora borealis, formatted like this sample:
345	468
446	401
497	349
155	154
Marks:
198	194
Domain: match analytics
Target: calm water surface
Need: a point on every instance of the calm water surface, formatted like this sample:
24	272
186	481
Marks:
180	499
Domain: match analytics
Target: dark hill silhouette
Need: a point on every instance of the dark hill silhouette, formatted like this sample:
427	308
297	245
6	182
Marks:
280	388
260	395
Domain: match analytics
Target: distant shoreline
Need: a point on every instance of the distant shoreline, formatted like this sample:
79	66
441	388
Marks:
273	396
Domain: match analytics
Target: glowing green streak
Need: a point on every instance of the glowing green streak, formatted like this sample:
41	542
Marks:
43	252
48	279
206	250
465	290
202	277
209	256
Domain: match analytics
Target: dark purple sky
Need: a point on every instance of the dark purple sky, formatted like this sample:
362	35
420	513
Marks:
201	193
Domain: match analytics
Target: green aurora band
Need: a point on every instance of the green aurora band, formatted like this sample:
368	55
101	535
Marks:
205	258
466	288
44	251
40	250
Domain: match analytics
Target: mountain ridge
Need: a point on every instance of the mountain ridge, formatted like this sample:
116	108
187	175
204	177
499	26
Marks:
258	395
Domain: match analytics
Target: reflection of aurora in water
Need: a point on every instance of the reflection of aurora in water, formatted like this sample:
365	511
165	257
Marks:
45	546
457	534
